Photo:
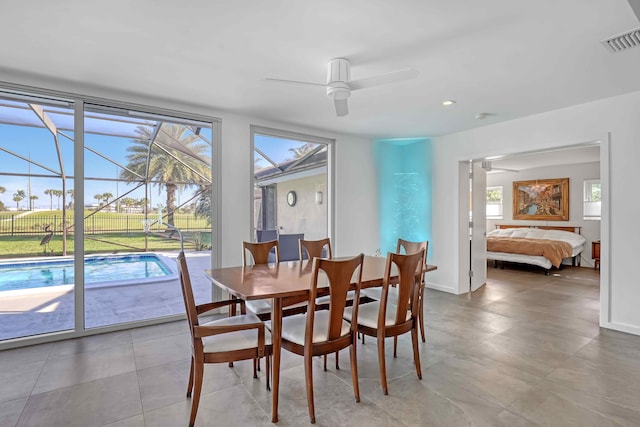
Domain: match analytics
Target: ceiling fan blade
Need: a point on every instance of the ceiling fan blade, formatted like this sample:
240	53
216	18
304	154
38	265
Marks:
383	79
342	108
293	82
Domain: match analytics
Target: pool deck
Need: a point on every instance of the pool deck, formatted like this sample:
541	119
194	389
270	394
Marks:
51	311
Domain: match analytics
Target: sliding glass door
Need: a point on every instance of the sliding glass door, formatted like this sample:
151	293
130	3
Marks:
96	201
36	176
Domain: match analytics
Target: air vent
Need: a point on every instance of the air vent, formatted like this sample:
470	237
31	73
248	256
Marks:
623	41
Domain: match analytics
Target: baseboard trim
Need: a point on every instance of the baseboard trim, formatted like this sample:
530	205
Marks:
437	287
621	327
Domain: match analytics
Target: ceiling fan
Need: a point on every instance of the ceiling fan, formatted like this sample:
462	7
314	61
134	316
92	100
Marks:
339	84
486	165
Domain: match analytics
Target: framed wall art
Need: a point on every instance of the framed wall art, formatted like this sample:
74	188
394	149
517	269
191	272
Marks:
541	199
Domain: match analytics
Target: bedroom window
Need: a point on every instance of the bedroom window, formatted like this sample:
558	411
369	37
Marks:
494	202
592	199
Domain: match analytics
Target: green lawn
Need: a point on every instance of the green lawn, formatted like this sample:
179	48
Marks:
34	222
28	246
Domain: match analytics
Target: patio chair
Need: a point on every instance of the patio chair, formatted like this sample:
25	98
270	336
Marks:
383	319
225	340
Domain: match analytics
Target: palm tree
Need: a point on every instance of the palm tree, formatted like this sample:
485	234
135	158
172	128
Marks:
50	192
33	198
302	150
2	189
19	196
58	194
106	196
71	194
173	142
98	197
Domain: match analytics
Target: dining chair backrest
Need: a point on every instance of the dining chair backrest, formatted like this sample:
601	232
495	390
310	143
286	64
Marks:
339	275
259	251
187	293
409	271
310	249
410	247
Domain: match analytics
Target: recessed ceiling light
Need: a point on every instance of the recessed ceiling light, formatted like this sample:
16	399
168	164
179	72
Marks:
448	102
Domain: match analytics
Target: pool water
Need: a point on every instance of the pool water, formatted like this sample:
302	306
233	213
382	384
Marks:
38	274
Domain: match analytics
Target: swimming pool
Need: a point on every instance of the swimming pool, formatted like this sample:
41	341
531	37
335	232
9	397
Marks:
110	270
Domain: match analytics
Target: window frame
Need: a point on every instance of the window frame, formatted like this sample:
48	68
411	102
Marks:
588	203
501	204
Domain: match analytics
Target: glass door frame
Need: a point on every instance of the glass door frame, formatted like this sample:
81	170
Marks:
79	201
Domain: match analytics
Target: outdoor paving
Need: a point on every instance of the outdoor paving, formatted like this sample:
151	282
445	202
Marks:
40	311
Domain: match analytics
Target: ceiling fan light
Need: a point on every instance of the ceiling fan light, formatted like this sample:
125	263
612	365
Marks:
448	102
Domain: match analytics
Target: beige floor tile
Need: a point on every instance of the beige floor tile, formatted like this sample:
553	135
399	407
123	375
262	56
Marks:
163	385
18	381
162	350
229	407
64	371
10	411
95	403
136	421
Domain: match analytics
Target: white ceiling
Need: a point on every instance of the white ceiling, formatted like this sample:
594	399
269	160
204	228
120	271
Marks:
560	156
503	57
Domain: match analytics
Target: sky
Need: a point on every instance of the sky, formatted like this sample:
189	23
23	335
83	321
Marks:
22	139
23	135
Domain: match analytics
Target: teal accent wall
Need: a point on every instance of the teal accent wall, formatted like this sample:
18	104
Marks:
404	190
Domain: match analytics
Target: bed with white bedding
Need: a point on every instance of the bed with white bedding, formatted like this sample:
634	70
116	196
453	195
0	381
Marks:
573	247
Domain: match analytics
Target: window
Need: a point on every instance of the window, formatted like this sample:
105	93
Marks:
592	199
290	183
494	202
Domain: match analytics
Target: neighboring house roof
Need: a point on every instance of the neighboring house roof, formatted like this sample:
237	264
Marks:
291	167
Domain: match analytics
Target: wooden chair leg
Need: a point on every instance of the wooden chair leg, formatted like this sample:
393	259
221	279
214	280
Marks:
416	354
197	388
363	339
231	364
354	370
190	385
421	314
337	360
258	362
308	375
255	371
268	372
325	362
395	347
381	364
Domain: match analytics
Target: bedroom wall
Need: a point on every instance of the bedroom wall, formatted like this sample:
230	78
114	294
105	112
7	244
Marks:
576	173
613	119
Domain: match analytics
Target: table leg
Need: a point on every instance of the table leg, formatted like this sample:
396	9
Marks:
276	339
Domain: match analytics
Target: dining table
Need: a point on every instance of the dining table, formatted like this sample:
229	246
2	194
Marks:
287	283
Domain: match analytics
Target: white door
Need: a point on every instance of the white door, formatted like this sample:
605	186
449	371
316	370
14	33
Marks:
478	227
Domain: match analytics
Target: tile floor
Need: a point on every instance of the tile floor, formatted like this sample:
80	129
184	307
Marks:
525	350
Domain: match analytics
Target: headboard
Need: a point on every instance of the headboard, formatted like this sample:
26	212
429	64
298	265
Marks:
542	227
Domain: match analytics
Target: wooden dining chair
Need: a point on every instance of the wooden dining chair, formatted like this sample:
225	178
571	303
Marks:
309	249
320	332
383	319
408	247
229	339
259	253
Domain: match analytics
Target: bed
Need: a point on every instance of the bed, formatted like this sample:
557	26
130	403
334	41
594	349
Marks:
551	245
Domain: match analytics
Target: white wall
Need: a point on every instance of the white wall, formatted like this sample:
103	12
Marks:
306	216
576	173
613	121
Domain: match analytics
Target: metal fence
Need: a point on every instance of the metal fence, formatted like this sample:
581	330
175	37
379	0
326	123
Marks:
15	224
